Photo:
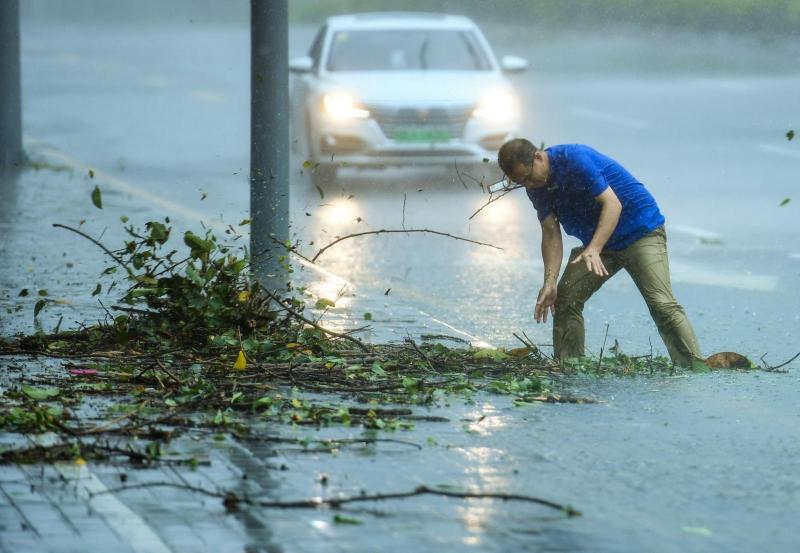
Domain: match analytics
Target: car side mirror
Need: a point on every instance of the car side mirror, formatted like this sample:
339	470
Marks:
513	64
301	65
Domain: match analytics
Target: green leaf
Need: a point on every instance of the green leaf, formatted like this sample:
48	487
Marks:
265	401
341	519
40	394
194	276
124	219
244	222
38	307
97	198
198	245
42	293
97	289
784	202
307	164
368	316
789	135
321	193
698	530
377	369
239	266
158	231
324	303
23	293
91	173
492	354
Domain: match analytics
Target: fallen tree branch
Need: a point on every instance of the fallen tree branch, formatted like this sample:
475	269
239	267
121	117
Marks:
776	367
231	500
297	315
67	451
326	441
96	243
399	231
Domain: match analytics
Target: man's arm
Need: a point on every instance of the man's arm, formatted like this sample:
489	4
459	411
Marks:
609	217
552	252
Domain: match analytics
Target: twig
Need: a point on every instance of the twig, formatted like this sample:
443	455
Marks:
112	422
539	349
312	323
492	199
331	442
231	499
458	173
782	364
476	181
420	352
132	310
403	222
96	243
525	343
169	373
444	337
603	347
388	231
289	248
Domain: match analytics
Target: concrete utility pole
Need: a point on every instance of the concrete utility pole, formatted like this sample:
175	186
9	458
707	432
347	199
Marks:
10	103
269	141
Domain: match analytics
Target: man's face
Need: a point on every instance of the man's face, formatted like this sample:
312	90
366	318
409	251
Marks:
533	175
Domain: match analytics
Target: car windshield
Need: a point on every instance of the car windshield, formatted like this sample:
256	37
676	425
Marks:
407	50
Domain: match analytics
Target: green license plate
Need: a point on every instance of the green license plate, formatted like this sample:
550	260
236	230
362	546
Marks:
421	134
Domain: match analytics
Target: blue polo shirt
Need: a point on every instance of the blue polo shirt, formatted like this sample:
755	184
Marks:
578	174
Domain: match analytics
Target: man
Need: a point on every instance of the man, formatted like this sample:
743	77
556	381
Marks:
597	201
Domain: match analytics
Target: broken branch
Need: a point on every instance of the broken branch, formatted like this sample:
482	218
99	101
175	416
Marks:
232	500
403	231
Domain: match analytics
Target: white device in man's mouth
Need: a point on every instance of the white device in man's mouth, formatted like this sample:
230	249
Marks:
498	186
503	185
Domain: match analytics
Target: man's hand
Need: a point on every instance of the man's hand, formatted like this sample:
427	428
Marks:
546	301
594	264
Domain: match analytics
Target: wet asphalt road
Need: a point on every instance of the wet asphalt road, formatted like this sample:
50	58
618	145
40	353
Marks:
702	463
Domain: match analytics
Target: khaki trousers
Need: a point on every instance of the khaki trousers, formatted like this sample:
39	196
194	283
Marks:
646	261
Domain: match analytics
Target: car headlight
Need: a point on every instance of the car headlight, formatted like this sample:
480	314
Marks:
497	106
342	106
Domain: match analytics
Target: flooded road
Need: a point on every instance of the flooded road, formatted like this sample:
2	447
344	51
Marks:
700	463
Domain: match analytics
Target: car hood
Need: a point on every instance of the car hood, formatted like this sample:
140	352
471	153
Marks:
415	87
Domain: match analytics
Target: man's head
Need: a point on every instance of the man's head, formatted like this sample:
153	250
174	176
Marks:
523	163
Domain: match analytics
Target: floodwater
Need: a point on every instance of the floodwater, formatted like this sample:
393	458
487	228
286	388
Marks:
697	463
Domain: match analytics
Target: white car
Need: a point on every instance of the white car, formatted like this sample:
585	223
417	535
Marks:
383	89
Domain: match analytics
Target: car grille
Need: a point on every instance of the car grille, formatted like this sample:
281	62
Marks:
450	119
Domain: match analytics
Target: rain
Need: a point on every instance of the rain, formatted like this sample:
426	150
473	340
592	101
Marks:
395	110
